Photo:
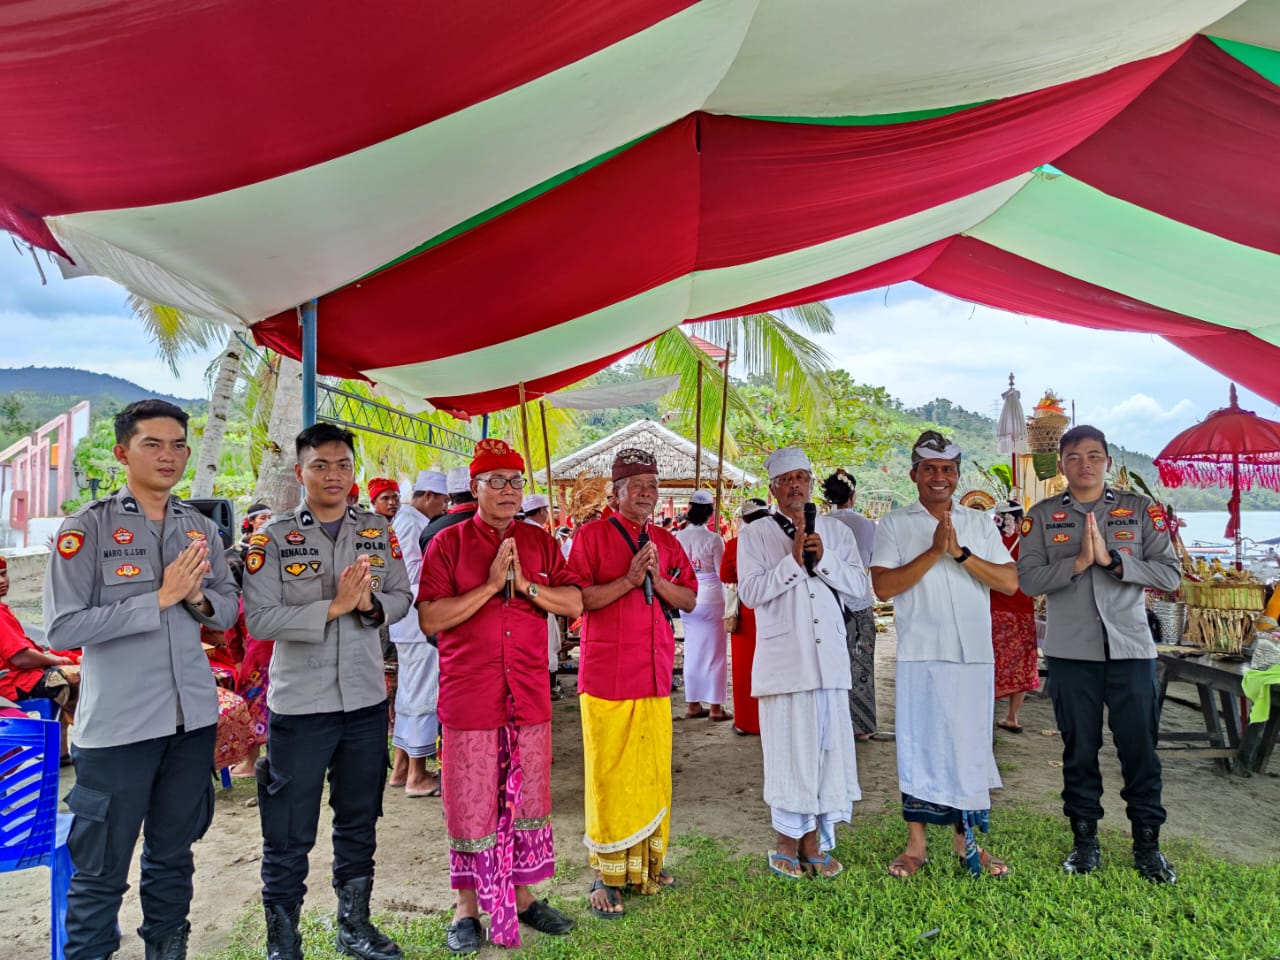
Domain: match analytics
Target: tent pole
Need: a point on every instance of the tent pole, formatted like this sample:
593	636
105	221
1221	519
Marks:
724	410
1235	499
309	363
697	431
546	453
524	433
484	427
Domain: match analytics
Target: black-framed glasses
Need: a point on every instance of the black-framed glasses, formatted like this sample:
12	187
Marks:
497	483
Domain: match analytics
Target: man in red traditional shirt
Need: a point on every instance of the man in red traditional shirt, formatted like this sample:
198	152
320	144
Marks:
636	573
487	586
33	674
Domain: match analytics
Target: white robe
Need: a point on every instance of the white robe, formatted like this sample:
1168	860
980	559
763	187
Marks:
706	644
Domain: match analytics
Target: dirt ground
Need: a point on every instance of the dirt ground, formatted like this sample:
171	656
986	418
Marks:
717	777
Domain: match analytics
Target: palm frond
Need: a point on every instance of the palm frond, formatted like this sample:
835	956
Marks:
174	333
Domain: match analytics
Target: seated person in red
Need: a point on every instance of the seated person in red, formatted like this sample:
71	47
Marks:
33	673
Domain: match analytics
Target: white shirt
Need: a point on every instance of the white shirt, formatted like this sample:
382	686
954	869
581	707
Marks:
800	637
704	549
864	531
408	524
947	614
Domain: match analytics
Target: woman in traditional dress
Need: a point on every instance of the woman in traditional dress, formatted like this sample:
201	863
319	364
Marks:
706	646
1013	630
742	641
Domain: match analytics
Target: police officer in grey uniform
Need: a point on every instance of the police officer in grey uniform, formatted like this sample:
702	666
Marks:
1091	551
320	580
131	580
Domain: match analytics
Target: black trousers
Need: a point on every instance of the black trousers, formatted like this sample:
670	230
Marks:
352	749
1079	690
161	787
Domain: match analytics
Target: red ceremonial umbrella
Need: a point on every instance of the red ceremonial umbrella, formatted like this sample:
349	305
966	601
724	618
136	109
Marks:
1230	447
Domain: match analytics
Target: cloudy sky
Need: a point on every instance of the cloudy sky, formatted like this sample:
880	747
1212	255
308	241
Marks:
918	344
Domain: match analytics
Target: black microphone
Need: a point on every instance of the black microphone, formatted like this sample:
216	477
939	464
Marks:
810	521
648	575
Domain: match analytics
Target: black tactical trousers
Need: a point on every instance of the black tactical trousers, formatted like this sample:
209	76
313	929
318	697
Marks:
1079	690
162	787
352	749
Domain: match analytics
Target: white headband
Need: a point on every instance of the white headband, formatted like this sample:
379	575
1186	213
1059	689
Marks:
950	452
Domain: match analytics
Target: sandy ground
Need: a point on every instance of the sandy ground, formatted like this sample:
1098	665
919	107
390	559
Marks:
717	778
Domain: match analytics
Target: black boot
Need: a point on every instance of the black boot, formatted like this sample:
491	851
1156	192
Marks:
1147	858
284	942
172	947
1085	856
357	937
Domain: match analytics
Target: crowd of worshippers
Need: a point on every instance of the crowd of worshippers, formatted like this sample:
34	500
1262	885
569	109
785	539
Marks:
471	586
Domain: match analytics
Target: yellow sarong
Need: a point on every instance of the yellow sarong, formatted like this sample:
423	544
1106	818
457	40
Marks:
627	747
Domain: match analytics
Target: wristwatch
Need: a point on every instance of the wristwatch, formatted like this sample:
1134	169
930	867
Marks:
532	591
1115	560
965	554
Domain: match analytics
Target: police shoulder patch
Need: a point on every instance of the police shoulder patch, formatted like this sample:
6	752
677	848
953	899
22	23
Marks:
396	553
259	540
1157	516
1026	526
254	559
69	543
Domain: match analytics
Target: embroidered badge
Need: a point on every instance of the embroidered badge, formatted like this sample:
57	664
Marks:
1061	537
295	569
1120	512
259	540
1124	534
1127	550
1026	526
196	536
129	505
295	538
1157	517
69	543
122	535
396	553
369	533
314	565
375	583
1060	515
128	570
376	561
253	560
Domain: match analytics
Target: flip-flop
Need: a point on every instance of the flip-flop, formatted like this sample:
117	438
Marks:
908	864
721	717
418	796
611	894
987	861
795	861
819	864
1011	727
696	716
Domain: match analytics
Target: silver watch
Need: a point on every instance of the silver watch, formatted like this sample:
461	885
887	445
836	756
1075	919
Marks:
532	591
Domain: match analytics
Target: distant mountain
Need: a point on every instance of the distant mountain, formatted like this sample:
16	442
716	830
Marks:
81	384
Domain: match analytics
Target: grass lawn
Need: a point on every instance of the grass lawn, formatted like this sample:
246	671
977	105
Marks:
731	907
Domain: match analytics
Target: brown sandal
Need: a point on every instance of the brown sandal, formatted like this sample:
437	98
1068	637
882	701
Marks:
908	865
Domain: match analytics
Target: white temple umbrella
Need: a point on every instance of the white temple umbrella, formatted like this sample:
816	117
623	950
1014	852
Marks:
1011	429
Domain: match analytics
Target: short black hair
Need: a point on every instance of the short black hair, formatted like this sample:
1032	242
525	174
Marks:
461	497
1079	435
700	513
838	488
149	409
318	434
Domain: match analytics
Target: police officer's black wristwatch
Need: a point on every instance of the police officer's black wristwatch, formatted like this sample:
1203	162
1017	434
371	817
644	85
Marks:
965	554
1115	561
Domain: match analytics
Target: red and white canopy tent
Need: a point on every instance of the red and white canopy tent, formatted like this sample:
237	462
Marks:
478	194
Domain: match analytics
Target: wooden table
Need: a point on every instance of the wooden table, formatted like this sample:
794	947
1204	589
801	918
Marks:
1249	752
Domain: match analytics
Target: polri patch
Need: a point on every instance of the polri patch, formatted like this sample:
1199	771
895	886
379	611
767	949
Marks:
1026	526
254	559
295	569
1061	537
314	565
69	543
369	533
1157	517
1060	515
295	538
196	536
396	553
1120	512
375	584
1124	534
259	540
122	535
128	571
375	560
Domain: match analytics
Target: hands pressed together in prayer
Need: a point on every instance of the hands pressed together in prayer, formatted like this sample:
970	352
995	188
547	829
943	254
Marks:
355	589
184	578
1093	547
944	539
645	561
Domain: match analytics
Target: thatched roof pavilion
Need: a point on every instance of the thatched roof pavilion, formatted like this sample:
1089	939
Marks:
675	454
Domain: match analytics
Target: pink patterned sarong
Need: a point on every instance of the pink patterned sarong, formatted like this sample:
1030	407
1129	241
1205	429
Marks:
497	810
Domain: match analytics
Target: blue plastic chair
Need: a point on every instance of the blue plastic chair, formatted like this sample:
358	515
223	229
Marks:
32	832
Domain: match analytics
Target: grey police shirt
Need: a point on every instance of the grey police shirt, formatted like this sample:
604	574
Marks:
291	573
144	670
1095	614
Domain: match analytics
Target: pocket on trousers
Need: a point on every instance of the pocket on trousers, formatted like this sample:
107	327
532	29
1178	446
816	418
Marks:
87	841
273	804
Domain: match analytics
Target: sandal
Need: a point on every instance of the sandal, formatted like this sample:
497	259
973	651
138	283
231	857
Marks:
702	712
800	873
721	717
988	861
1011	727
611	894
817	867
908	865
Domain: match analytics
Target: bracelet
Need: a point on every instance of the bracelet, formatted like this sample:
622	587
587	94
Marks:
965	554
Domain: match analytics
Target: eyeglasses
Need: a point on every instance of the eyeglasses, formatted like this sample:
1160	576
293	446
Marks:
497	483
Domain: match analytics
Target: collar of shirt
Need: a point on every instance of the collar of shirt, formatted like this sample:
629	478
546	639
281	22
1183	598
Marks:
463	508
1108	496
488	530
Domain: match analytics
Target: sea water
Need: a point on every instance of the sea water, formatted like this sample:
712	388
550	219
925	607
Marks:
1209	527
